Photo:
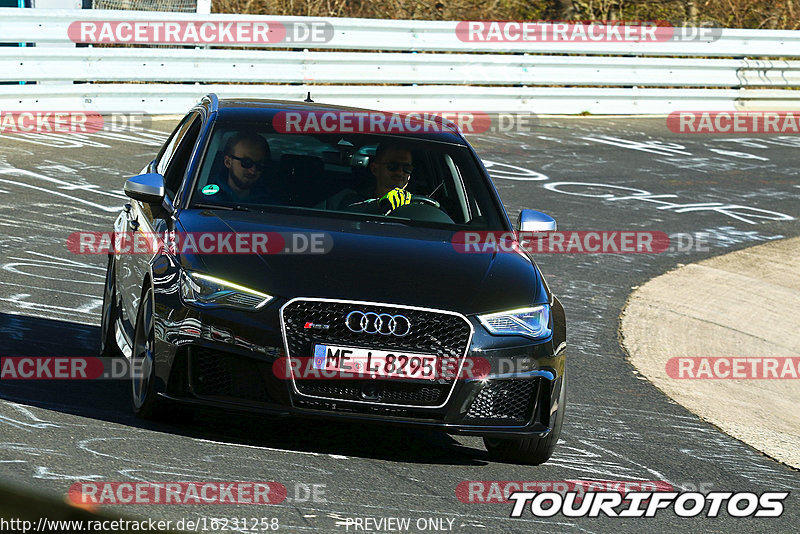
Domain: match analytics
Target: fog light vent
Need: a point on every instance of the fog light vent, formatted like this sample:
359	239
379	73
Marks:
509	400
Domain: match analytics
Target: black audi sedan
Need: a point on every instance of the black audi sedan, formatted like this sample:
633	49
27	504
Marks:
310	260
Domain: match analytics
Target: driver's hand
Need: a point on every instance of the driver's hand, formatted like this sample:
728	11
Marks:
396	197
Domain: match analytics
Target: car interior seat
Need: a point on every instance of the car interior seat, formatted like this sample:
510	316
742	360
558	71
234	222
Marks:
305	179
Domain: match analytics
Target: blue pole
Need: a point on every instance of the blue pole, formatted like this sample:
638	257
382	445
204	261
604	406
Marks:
21	4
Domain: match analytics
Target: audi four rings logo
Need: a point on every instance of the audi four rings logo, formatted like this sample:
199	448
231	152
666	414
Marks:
378	323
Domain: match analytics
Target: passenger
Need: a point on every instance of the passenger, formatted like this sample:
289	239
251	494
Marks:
247	156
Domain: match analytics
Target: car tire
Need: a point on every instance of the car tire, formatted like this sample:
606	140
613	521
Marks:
109	315
530	451
145	401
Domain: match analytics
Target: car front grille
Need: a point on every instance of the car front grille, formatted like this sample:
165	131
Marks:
506	401
445	335
383	390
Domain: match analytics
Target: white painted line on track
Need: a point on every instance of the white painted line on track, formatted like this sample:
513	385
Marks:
309	453
76	199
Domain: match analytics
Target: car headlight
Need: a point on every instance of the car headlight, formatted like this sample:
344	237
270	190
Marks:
531	322
208	291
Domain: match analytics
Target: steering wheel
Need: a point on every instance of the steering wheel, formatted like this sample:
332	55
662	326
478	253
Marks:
425	200
418	199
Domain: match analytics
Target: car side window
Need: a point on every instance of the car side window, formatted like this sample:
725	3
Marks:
176	168
165	156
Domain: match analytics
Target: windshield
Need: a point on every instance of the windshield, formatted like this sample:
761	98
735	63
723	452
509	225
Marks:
420	182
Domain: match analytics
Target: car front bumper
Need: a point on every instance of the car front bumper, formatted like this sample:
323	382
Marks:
215	358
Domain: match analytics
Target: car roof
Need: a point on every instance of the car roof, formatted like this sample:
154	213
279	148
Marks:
263	110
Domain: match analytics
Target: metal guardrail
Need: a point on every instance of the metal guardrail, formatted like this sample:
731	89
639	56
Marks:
190	65
50	26
447	74
178	98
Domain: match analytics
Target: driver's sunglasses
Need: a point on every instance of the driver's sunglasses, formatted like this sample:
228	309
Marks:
393	166
246	163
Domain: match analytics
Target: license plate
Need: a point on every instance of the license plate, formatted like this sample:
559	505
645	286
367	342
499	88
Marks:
372	362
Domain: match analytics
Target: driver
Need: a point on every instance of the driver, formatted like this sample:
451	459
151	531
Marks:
392	166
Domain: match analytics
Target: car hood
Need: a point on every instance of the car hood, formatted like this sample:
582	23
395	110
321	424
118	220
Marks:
369	261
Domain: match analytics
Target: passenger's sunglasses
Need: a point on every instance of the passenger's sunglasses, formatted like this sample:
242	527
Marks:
246	163
393	166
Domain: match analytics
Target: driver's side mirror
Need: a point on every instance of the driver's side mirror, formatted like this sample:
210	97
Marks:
535	221
149	188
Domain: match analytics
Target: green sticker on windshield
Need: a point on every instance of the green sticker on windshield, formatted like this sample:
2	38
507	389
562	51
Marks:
210	189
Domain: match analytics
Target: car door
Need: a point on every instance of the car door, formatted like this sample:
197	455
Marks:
171	164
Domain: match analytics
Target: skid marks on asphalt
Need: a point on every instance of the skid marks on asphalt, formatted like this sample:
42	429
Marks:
611	432
114	449
22	418
30	275
50	205
78	191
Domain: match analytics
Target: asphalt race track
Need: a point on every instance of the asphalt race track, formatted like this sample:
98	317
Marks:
741	192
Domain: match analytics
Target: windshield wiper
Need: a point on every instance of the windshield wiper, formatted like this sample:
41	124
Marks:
387	220
220	207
